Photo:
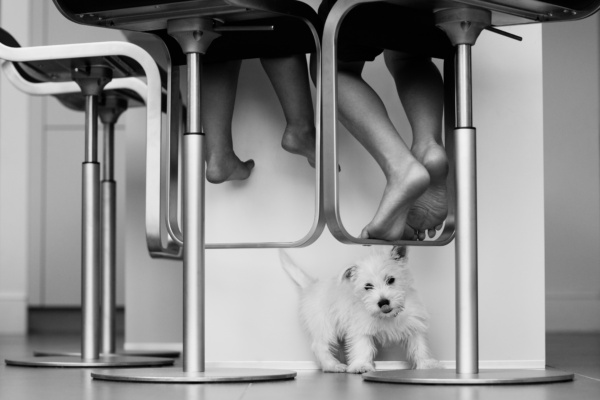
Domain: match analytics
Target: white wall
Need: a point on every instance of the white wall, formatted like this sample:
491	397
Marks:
572	167
14	194
252	305
56	153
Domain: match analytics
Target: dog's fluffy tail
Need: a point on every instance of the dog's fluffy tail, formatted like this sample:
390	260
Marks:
300	277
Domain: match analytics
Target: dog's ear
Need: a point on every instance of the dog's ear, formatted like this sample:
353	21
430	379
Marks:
399	252
349	274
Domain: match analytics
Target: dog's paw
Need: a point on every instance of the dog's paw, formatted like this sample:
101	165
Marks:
335	368
430	363
360	368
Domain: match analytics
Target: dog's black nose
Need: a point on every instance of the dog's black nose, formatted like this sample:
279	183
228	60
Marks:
383	302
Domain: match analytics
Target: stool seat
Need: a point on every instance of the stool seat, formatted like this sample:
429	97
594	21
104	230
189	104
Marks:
60	70
76	102
152	15
293	35
511	12
369	28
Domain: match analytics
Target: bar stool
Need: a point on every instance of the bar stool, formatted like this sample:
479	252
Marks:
116	98
462	21
88	69
193	31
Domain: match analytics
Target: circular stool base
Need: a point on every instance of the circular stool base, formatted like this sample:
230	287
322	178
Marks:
484	377
141	353
102	362
177	375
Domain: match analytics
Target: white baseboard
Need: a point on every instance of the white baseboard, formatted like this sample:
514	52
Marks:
380	365
13	309
152	346
312	365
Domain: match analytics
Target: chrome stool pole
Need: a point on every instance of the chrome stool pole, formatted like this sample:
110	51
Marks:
195	36
463	26
193	227
91	86
109	114
467	350
91	80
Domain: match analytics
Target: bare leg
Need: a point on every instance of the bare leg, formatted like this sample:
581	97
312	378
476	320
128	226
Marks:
218	100
421	92
365	116
289	77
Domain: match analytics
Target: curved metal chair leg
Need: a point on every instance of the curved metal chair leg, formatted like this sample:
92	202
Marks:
467	335
91	81
330	151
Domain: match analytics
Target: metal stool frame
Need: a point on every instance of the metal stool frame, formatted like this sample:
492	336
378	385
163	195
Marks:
90	354
486	15
192	238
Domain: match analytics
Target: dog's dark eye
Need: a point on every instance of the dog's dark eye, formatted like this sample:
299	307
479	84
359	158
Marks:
391	280
368	286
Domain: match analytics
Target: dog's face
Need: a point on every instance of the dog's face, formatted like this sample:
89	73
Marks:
381	281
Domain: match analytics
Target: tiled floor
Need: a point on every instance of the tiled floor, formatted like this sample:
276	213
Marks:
575	353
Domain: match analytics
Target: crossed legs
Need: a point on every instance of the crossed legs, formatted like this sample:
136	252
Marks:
414	199
421	91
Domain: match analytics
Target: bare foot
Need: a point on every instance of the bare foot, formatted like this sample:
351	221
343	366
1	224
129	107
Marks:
400	192
429	211
227	168
300	139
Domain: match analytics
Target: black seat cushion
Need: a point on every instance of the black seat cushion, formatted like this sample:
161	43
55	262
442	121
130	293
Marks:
370	28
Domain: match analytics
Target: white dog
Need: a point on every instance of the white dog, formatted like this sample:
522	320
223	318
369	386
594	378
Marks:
372	300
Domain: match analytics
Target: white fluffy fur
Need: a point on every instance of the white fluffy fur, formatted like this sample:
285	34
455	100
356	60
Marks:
341	308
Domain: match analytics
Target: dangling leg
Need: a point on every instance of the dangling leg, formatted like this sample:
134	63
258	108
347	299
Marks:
289	77
218	100
362	112
421	92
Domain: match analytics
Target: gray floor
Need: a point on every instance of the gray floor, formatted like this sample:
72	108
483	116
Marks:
575	353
